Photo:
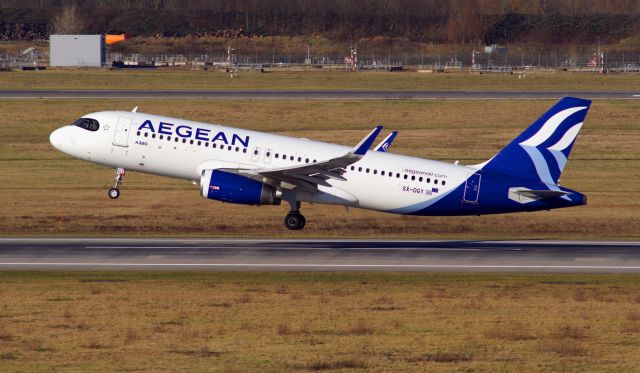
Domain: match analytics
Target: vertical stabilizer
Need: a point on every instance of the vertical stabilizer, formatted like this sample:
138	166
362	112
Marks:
542	150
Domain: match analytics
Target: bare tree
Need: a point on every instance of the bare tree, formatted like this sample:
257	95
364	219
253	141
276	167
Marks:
69	21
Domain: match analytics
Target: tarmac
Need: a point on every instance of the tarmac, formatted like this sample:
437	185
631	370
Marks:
89	254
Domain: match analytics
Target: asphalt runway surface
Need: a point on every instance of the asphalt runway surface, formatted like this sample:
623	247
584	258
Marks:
312	94
319	255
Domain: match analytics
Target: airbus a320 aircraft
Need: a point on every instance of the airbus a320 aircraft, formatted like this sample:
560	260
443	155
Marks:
255	168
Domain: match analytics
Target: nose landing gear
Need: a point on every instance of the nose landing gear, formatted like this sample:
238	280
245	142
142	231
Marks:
115	191
294	219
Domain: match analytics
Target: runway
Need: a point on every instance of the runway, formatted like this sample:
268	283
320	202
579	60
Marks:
318	255
312	94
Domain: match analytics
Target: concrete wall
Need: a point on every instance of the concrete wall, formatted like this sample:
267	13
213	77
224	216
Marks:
77	50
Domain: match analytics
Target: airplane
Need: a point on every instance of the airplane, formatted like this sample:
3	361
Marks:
256	168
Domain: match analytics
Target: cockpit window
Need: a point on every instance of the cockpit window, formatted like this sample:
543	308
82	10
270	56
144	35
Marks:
87	123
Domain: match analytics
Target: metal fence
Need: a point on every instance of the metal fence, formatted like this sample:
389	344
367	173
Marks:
489	60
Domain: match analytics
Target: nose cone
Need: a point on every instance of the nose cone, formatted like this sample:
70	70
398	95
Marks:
56	138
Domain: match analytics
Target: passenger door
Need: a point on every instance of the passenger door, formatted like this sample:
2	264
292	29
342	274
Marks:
121	136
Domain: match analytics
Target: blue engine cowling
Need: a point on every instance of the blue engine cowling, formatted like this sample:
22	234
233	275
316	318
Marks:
233	188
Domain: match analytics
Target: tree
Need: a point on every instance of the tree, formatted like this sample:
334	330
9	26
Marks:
68	21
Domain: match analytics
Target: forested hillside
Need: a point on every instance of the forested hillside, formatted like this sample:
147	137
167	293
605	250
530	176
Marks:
437	21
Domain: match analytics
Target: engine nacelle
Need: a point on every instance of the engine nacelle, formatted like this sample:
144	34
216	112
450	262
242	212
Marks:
233	188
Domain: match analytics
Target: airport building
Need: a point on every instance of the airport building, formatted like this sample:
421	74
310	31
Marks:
77	51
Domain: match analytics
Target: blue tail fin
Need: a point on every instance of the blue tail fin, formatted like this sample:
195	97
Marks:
541	151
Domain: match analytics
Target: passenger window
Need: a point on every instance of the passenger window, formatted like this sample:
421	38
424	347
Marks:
206	144
291	158
299	159
306	160
420	179
168	138
382	173
352	168
161	137
190	142
277	155
359	169
244	150
153	136
428	180
138	133
375	172
229	147
398	175
146	134
267	156
435	181
237	148
413	178
443	182
367	170
214	145
406	176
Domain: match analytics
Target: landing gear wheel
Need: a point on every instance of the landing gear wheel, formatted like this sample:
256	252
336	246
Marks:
294	221
114	193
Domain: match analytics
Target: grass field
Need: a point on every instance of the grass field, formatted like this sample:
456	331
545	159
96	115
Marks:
209	80
279	322
47	193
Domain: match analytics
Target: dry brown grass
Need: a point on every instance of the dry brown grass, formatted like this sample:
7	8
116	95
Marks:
166	322
512	332
442	357
604	165
210	80
571	331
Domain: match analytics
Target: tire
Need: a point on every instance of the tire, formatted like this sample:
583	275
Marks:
294	222
114	193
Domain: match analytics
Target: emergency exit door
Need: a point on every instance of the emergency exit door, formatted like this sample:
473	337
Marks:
121	137
472	189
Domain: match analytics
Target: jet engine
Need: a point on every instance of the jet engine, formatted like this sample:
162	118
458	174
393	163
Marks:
233	188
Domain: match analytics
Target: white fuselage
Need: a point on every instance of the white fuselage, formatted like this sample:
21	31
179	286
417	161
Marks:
379	181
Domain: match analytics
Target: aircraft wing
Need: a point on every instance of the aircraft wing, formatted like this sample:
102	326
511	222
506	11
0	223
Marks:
309	176
386	143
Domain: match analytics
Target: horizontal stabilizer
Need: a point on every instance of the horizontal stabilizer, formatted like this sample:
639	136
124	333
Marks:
524	195
543	194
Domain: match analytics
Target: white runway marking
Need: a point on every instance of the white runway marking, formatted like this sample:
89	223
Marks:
289	248
288	265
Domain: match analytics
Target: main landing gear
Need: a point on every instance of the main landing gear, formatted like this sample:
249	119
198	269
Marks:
115	191
294	219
